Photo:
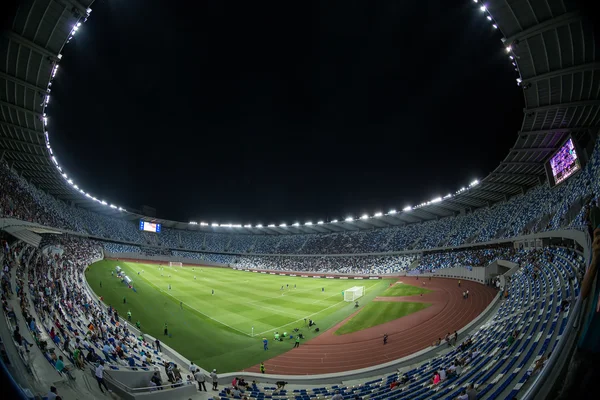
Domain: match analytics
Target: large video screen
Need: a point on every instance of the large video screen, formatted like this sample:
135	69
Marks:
565	162
149	226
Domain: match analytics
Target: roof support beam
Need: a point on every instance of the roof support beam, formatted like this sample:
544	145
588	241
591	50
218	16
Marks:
43	160
28	130
77	5
530	163
506	185
19	108
28	43
583	103
23	83
544	26
22	142
565	71
532	149
552	131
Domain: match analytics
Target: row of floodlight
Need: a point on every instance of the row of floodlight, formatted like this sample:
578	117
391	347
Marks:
47	135
347	219
509	49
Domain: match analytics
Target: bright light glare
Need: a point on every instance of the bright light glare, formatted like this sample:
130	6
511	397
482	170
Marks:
407	208
193	223
392	212
474	183
248	226
271	226
320	223
259	226
378	214
214	224
333	221
495	26
365	216
203	224
482	8
489	18
282	225
349	219
508	49
436	200
308	223
296	224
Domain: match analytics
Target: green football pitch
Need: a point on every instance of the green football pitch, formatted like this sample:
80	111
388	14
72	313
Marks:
225	330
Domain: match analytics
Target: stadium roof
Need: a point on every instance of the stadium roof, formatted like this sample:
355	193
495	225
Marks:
549	42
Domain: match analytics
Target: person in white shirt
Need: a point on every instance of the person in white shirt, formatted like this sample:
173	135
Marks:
462	396
193	368
100	377
442	373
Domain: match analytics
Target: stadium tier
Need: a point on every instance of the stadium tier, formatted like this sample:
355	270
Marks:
540	209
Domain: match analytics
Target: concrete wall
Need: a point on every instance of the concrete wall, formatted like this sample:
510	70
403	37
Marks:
477	274
160	259
132	379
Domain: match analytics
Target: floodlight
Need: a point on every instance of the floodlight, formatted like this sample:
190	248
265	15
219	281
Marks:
436	200
407	208
508	49
489	18
349	219
447	196
308	223
121	209
378	214
259	226
193	223
495	26
392	212
59	56
519	80
474	1
271	225
113	206
320	223
364	216
282	225
79	24
76	187
104	203
511	57
333	221
296	224
214	224
248	226
236	226
203	224
474	183
226	225
70	181
482	8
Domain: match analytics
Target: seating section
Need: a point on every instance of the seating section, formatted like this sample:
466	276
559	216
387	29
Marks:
540	209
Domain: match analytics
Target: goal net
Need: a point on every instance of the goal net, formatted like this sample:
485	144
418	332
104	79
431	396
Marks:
175	264
354	293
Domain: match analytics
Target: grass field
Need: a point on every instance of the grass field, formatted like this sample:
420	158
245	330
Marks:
215	331
379	312
400	290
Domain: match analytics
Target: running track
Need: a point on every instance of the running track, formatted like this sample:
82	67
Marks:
328	353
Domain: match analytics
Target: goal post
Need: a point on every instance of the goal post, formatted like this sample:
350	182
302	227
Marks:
175	264
354	293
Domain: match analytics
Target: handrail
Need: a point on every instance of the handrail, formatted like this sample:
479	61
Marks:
128	389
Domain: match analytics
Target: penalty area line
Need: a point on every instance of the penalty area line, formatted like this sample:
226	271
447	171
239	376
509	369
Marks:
301	319
200	312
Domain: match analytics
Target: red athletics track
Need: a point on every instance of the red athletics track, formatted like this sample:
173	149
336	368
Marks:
328	353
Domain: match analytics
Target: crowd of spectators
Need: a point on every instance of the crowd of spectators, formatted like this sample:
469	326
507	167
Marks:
541	208
466	258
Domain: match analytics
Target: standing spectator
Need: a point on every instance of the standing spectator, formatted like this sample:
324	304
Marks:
215	379
385	338
200	378
100	377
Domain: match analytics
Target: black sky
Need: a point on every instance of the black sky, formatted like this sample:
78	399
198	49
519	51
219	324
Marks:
248	112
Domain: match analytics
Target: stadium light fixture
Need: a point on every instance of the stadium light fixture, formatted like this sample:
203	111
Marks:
282	225
407	208
75	187
236	226
447	196
483	8
511	57
320	223
193	223
248	226
121	209
392	212
364	216
475	1
271	226
113	206
78	24
349	219
103	203
70	181
474	183
334	221
308	223
436	200
495	26
226	225
489	18
296	224
259	226
203	224
508	49
214	224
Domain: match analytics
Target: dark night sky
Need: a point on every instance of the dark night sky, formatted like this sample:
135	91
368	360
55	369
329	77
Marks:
242	112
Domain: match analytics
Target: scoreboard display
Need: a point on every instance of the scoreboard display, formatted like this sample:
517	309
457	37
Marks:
563	164
149	226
